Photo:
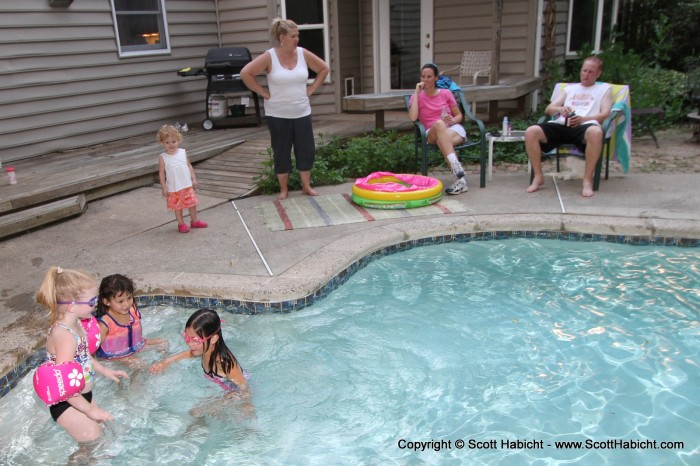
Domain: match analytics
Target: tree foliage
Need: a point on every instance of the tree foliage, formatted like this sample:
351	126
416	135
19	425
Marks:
663	32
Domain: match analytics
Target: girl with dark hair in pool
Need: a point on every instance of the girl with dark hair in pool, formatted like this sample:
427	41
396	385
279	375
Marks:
438	111
204	337
119	320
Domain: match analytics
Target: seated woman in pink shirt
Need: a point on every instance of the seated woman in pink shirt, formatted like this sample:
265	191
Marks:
438	111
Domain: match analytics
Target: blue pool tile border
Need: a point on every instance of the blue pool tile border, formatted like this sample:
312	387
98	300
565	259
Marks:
10	380
243	307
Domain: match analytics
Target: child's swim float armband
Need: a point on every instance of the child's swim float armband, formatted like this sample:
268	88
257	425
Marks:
58	382
93	333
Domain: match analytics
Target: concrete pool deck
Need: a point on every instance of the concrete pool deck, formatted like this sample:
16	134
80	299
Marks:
133	234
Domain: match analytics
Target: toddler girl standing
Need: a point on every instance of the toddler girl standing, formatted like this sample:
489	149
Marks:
70	296
177	178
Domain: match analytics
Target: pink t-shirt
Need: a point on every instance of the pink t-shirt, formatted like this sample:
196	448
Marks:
430	107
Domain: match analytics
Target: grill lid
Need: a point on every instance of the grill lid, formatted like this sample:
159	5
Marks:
228	60
221	63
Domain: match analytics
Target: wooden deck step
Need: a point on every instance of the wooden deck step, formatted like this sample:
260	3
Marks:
81	177
230	174
95	176
24	220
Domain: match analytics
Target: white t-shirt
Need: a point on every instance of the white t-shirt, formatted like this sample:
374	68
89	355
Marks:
288	97
177	172
584	100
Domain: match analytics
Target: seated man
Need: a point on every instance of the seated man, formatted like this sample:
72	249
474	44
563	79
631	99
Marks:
580	109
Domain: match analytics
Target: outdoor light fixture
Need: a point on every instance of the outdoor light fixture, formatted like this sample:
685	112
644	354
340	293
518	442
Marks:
60	3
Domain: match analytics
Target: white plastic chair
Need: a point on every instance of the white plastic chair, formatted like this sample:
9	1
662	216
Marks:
475	63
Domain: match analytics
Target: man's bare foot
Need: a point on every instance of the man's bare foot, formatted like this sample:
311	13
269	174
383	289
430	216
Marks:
536	183
309	192
587	188
282	196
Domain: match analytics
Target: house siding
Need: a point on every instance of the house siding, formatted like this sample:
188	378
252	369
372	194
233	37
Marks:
350	34
367	79
467	25
562	19
64	85
461	25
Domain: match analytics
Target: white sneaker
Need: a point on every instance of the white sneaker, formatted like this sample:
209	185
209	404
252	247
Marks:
457	169
459	186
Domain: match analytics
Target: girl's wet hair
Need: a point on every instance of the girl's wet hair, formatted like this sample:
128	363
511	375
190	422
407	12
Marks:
110	287
432	66
281	26
62	285
206	323
167	131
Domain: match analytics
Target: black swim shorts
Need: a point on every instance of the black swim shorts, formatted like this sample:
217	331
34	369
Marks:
59	408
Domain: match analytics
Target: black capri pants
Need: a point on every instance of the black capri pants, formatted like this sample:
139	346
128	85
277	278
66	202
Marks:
286	133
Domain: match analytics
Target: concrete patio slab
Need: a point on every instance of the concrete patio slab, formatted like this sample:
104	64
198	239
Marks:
132	233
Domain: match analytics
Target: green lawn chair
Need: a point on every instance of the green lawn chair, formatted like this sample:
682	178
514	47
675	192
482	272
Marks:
475	142
617	131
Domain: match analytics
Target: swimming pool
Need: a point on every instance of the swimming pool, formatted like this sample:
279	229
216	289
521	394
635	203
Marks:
524	340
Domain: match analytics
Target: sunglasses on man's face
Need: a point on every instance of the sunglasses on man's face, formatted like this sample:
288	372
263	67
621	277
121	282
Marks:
91	303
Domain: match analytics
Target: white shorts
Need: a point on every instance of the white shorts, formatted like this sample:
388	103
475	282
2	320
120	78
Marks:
459	129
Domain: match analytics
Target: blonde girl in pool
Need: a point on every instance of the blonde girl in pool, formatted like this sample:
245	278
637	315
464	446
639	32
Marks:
70	296
205	340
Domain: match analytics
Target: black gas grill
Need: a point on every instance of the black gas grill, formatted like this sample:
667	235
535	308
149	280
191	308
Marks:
222	67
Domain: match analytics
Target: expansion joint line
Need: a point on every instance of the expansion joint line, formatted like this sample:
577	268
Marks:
252	240
561	201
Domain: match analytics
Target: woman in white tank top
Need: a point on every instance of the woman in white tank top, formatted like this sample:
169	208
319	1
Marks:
286	101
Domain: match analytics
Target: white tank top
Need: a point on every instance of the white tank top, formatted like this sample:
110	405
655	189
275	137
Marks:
584	100
288	97
177	172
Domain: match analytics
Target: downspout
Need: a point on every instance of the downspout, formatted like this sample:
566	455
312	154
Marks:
538	51
218	22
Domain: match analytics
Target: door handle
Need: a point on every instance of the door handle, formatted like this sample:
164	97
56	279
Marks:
427	45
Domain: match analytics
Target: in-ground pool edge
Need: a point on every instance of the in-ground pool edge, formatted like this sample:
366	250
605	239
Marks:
312	273
320	273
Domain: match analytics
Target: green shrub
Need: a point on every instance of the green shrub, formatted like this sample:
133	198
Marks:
377	151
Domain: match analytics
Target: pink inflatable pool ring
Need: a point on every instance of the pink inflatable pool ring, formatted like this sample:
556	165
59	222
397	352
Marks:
390	182
386	190
58	382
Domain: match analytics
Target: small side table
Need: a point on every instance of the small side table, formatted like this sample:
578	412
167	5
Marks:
515	136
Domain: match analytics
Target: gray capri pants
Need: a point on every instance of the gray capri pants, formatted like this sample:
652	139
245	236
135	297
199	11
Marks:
288	132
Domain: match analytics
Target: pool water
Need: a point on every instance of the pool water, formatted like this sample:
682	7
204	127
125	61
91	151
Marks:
536	341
